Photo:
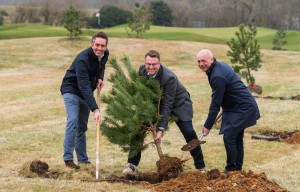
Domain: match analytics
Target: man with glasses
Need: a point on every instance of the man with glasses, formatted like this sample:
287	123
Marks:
175	100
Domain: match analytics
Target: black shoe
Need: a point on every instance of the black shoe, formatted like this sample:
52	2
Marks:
71	164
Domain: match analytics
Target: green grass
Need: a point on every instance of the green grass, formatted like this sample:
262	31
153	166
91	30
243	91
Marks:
207	35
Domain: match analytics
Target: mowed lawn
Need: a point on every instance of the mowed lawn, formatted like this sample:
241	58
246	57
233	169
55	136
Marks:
33	116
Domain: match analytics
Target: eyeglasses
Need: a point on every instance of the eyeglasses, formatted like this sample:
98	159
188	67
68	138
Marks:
151	64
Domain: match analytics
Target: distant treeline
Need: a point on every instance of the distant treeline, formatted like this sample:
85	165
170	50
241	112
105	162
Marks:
276	14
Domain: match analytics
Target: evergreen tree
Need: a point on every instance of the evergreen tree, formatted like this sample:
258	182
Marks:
245	52
139	21
71	22
161	13
132	108
278	40
112	16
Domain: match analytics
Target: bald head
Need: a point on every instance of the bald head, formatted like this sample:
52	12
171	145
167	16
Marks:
205	58
205	53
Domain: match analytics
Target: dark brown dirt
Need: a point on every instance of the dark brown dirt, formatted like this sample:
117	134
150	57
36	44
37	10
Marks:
216	181
178	181
289	137
192	145
255	89
38	168
169	167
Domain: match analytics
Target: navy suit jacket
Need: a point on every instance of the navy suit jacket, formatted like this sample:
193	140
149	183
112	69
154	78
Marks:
239	108
175	98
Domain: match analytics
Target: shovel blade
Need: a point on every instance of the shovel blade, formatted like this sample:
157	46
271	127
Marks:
192	145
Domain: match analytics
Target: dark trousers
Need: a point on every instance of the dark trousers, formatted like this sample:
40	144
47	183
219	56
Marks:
234	146
187	130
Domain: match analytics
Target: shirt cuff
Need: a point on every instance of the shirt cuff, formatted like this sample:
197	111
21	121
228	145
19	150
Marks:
161	129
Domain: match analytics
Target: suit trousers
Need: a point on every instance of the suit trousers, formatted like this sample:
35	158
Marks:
186	128
234	145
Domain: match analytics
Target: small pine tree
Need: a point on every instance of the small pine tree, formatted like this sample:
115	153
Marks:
139	21
279	40
132	108
71	22
245	52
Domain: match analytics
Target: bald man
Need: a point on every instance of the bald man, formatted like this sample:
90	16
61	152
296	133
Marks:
239	108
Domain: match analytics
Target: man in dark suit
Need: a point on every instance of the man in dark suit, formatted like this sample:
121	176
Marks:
175	100
239	108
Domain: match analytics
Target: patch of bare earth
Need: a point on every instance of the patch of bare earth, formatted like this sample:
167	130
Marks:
171	180
238	181
292	137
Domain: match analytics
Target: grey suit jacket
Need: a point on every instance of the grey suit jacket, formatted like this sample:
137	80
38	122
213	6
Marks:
175	98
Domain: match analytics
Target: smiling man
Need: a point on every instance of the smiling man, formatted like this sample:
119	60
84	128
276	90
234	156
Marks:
239	108
175	100
81	79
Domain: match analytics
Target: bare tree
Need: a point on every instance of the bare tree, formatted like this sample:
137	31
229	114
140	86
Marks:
182	13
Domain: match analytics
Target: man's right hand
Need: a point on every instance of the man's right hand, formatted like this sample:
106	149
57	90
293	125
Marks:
97	116
158	136
205	131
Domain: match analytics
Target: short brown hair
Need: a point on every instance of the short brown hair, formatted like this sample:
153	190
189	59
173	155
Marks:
101	35
153	53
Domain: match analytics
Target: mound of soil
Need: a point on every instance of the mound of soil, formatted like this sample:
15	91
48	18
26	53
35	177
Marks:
169	167
289	137
38	168
216	181
255	88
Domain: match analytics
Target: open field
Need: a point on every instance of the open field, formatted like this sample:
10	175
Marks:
33	118
207	35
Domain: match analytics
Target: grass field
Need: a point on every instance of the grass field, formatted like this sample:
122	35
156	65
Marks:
207	35
33	117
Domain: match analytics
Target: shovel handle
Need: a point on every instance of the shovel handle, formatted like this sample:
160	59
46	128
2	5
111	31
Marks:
98	136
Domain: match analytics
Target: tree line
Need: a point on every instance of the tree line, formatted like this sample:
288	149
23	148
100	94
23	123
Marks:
276	14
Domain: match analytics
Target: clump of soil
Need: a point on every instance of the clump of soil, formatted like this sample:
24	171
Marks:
38	168
215	180
169	167
289	137
255	89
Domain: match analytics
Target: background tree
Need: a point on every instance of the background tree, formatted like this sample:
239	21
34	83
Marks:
71	22
279	40
160	13
139	22
2	15
112	16
132	108
245	52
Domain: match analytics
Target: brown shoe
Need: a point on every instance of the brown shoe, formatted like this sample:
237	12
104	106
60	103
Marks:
71	164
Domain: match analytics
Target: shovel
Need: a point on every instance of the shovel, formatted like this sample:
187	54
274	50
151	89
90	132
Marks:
98	136
193	144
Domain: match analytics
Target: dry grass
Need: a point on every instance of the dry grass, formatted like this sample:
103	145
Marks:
33	118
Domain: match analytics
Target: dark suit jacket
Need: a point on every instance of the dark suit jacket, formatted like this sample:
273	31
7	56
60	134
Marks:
239	108
175	98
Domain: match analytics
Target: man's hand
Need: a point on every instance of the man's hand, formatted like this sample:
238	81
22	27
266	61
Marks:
158	136
205	131
100	84
97	116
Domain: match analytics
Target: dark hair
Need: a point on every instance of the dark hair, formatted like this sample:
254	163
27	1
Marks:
101	35
153	53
